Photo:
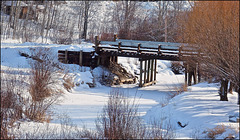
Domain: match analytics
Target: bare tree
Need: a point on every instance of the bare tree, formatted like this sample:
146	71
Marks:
214	27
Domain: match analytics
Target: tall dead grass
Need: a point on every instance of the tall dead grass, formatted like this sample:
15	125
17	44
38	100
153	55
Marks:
42	89
11	101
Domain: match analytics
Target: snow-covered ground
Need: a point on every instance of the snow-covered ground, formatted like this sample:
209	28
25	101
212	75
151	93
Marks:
199	107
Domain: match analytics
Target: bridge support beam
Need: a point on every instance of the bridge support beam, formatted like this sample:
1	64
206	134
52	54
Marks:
141	71
148	75
192	72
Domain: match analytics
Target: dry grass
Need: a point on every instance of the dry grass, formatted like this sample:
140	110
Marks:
219	129
42	90
178	90
68	82
11	101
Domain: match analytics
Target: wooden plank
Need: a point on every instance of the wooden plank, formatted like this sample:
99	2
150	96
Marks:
66	56
140	82
186	72
96	41
152	61
139	46
119	46
81	58
155	70
145	71
149	83
159	50
148	71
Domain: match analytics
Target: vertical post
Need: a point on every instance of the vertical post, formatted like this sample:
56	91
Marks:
145	71
119	46
96	41
159	49
199	74
155	70
186	72
148	71
96	44
190	74
195	74
180	52
139	46
80	57
98	60
66	56
140	82
152	61
114	37
116	59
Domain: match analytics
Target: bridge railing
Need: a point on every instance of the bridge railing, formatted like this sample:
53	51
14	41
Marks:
178	50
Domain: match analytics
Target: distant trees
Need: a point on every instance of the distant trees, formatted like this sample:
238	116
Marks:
63	22
214	27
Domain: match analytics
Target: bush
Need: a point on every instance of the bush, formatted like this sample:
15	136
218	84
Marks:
160	130
120	119
212	133
42	90
11	101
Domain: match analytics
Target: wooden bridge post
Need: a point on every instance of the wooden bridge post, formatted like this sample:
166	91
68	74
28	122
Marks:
119	46
139	46
198	72
195	74
190	77
114	37
145	72
180	52
155	70
80	57
159	49
186	73
148	70
152	61
66	56
140	82
96	41
97	50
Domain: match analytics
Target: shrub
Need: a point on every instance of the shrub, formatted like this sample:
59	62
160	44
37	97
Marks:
160	130
42	90
119	119
11	101
219	129
68	82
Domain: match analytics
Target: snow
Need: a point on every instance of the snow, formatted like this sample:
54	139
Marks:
199	107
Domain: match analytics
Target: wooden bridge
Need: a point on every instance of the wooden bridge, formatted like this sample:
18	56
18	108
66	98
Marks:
148	53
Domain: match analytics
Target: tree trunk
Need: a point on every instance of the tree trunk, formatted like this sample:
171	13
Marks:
87	5
44	18
223	90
